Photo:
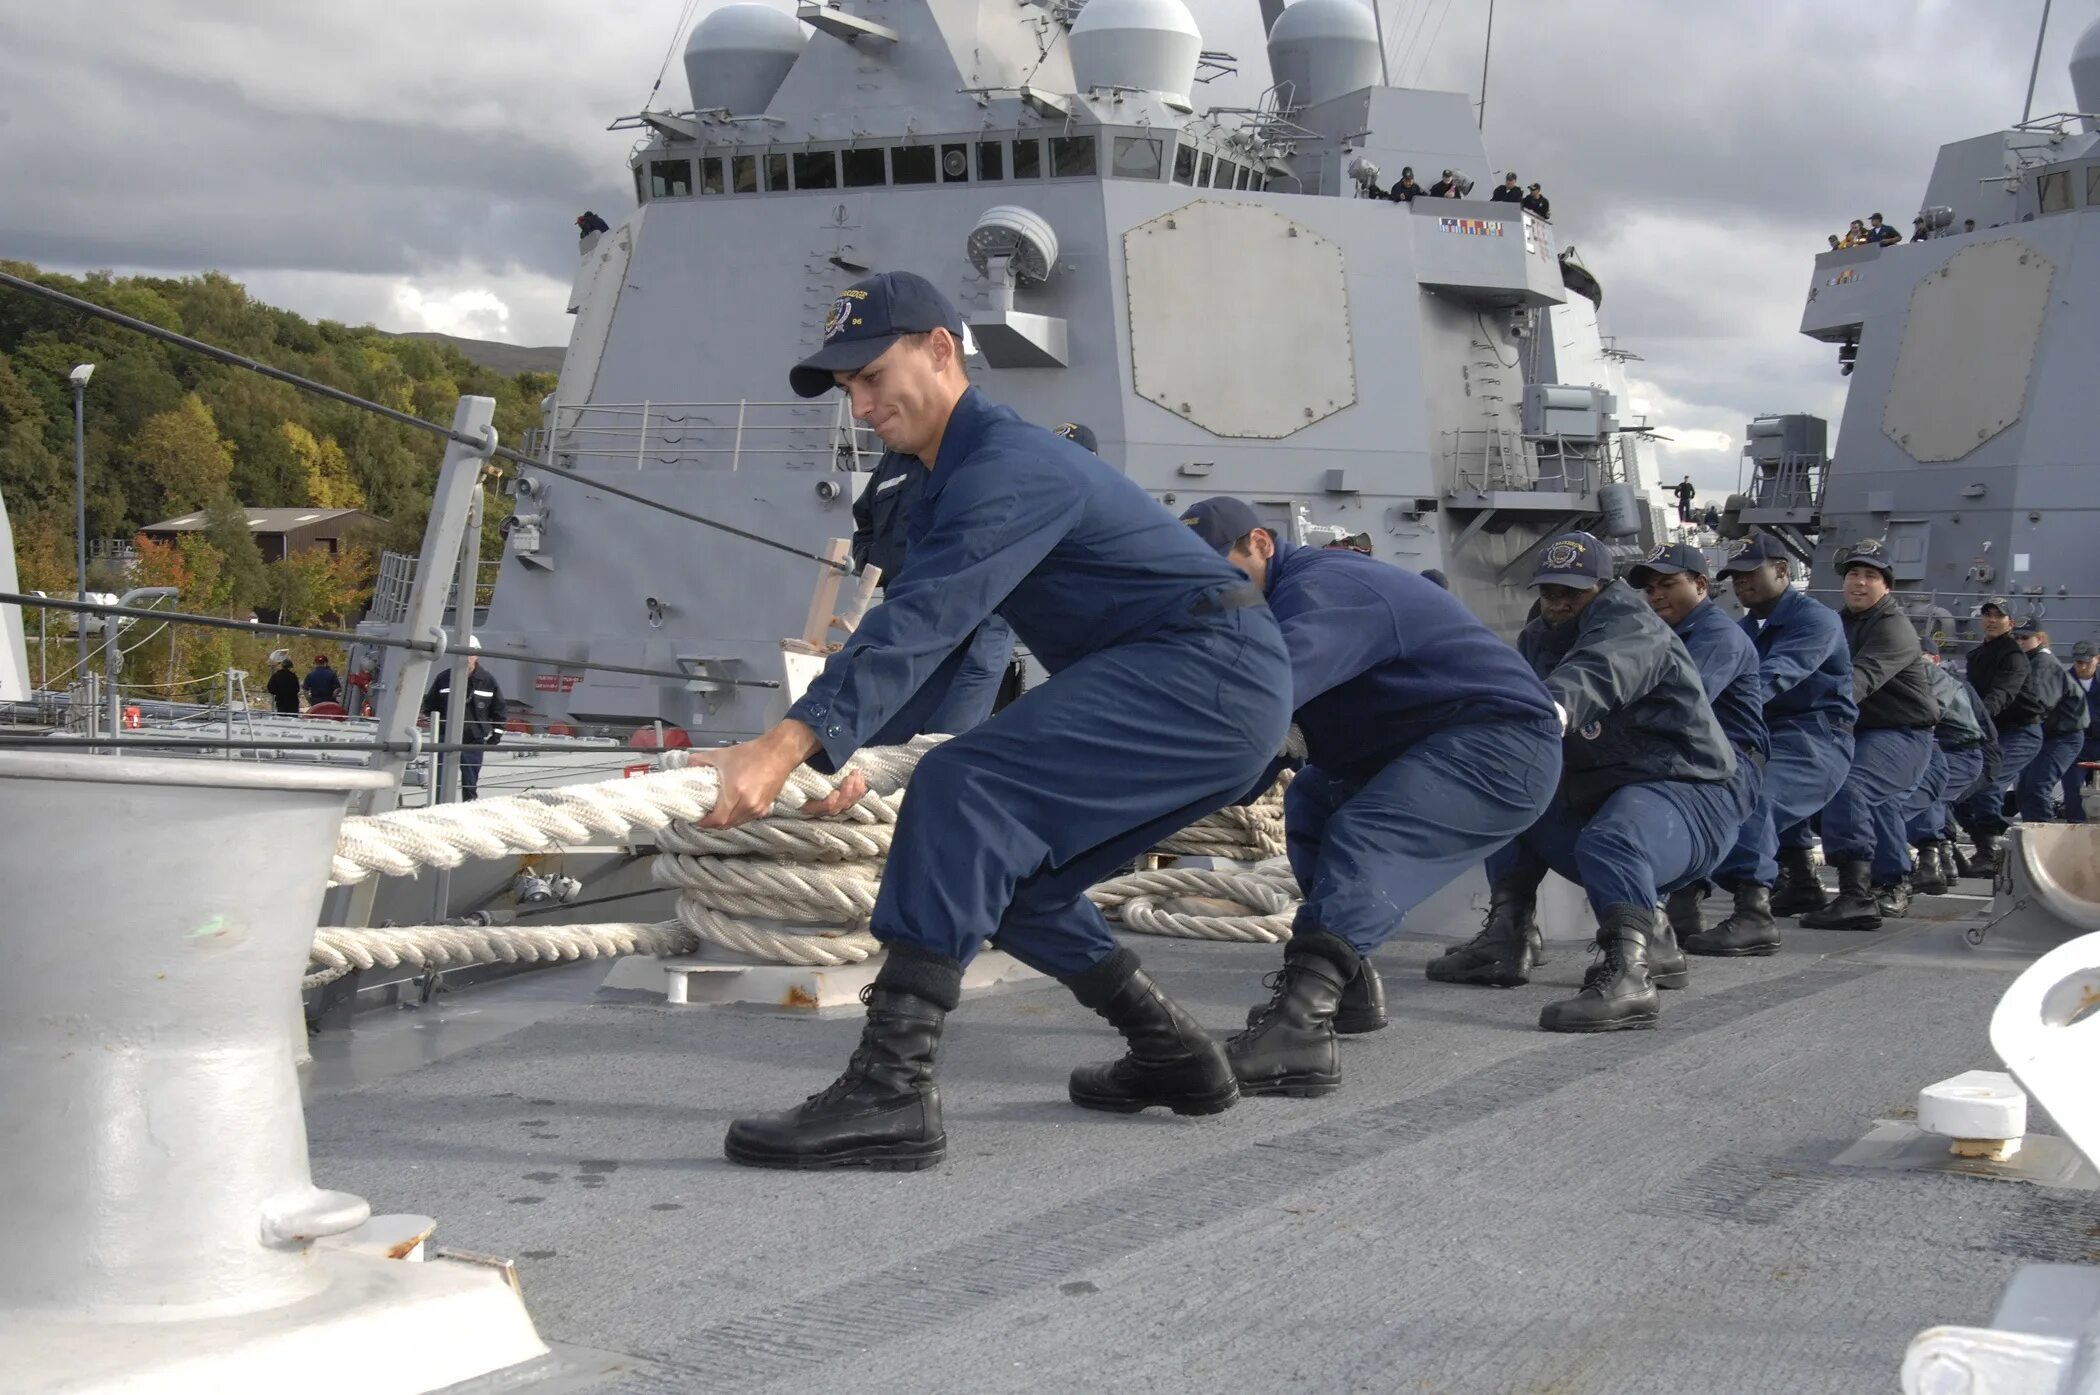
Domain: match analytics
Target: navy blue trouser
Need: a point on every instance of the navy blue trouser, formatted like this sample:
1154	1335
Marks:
975	686
1643	843
1865	820
2017	748
1008	824
2044	776
470	773
1948	776
1809	760
2075	780
1369	848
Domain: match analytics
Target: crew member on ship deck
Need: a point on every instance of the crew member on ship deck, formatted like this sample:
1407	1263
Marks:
1168	699
1674	578
1648	795
1430	744
1806	672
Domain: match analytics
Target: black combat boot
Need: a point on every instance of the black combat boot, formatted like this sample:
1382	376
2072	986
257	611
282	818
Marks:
1290	1048
1894	898
1749	930
1503	954
1929	879
1856	907
1797	889
1172	1061
1682	909
1363	1004
884	1112
1959	864
1989	851
1617	994
1947	871
1666	963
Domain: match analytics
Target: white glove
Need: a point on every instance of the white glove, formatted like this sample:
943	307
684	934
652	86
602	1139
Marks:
1562	713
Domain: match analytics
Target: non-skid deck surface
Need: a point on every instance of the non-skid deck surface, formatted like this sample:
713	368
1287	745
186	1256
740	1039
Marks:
1483	1208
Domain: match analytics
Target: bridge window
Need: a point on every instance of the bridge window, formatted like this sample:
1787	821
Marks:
711	175
1246	178
1028	159
991	159
864	168
1137	157
670	179
1072	157
1185	164
1225	172
955	164
743	173
911	164
777	173
817	169
1203	171
2092	187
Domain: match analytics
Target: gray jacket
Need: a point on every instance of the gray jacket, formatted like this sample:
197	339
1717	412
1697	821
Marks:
1958	729
1888	668
1637	710
2063	702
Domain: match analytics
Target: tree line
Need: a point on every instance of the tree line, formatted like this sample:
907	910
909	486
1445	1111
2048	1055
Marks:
169	432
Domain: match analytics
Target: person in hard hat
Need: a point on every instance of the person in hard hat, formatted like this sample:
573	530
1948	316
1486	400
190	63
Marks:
1863	832
1805	672
321	683
1168	698
283	686
481	719
1430	743
1674	579
1648	801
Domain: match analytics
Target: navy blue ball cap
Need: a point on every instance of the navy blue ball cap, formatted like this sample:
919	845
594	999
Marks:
866	318
1080	432
2084	649
1574	559
1748	554
1867	552
2027	625
1222	520
2001	604
1669	561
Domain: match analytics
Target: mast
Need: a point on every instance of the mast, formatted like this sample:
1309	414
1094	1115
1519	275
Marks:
1489	46
2027	108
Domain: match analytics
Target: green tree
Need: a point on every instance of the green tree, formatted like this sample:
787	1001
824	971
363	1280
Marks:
323	468
182	452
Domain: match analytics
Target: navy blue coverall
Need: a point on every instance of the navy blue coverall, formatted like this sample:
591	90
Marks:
1892	747
1169	692
2063	736
1429	742
1648	799
1809	715
1957	759
2075	777
1735	688
880	515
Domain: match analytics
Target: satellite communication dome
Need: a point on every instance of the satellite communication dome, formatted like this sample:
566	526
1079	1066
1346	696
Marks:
1324	49
2085	69
1152	45
737	57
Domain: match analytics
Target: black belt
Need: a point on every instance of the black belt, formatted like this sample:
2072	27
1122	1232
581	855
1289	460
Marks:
1233	598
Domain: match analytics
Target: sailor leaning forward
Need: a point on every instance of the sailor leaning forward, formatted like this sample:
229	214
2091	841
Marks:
1430	744
1648	801
1675	580
1168	697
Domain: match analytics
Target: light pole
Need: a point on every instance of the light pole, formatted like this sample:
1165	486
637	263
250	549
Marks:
79	378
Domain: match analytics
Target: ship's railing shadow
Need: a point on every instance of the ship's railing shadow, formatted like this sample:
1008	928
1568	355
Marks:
715	435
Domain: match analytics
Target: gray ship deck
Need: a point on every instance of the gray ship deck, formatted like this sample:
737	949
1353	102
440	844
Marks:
1483	1208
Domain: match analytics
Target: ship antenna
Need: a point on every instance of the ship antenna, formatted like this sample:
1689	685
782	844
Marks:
1488	46
1385	72
2027	109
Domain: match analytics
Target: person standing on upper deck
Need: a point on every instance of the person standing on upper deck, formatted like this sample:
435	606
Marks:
1429	743
1168	698
1806	673
1863	832
1674	580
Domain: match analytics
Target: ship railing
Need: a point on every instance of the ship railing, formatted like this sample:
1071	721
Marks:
397	582
1494	459
601	436
1794	481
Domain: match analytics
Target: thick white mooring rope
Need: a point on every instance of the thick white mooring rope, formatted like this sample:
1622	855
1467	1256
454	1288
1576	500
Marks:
785	888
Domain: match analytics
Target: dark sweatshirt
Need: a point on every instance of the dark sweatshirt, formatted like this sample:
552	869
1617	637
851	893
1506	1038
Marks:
1889	681
1998	669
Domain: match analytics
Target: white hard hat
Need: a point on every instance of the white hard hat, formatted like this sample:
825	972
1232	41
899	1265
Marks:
473	642
280	656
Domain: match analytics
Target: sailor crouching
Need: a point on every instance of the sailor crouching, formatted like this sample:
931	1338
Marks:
1998	669
1430	744
1168	697
1806	673
1955	771
1675	582
1648	797
1863	825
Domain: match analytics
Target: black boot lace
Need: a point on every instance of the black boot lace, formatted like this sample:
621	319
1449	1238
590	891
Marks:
1278	982
1609	961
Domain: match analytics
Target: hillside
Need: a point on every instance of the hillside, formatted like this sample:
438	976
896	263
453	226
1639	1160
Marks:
511	359
171	432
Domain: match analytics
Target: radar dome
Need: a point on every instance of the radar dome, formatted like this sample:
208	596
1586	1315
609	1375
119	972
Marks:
2085	70
1324	49
1152	45
737	57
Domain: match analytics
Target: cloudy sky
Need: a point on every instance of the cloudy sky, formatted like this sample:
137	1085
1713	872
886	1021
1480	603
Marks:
417	165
